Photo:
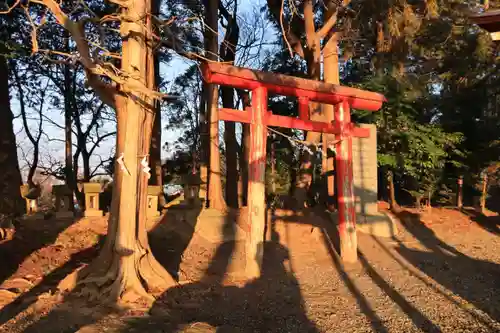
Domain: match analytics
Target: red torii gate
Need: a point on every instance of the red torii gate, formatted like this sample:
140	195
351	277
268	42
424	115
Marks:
343	98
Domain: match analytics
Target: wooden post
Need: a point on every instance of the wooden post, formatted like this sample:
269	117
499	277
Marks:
256	186
345	190
460	183
484	192
273	168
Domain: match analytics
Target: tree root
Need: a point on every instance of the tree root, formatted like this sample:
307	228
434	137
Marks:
124	279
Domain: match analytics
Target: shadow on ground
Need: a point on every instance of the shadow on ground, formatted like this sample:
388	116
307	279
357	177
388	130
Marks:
49	283
489	223
170	237
476	281
271	303
26	240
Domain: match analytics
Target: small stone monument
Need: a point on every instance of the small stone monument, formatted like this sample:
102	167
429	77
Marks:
192	184
31	203
63	201
152	203
92	191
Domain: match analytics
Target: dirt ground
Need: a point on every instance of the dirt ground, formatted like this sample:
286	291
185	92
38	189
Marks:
440	274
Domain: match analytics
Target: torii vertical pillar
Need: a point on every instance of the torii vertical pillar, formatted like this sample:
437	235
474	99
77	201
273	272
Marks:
256	188
345	187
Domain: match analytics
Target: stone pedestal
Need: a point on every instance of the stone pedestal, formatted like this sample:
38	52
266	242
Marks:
152	201
364	161
63	201
192	184
92	191
31	204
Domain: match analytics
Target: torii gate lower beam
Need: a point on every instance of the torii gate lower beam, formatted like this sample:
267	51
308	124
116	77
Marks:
260	83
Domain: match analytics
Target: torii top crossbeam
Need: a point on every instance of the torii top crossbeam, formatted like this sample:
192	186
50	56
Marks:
305	90
321	92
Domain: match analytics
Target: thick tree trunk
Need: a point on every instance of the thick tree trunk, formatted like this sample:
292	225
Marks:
228	54
155	151
86	166
231	163
304	178
126	268
215	195
205	142
11	202
33	140
330	75
245	148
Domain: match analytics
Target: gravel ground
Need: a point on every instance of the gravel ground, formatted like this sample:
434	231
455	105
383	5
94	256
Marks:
440	274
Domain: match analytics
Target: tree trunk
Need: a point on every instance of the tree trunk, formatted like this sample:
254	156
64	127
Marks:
245	160
86	165
68	113
330	75
155	151
11	202
484	194
215	195
228	54
304	178
394	207
126	268
245	148
231	162
460	183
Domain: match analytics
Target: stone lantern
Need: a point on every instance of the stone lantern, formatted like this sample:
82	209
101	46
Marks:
31	198
63	201
152	200
92	191
192	183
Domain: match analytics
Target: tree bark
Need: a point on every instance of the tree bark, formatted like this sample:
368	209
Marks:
68	116
313	60
330	75
228	55
11	202
155	151
126	268
215	195
394	207
35	141
244	151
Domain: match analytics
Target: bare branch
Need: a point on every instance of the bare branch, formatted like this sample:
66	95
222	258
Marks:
9	9
275	8
99	140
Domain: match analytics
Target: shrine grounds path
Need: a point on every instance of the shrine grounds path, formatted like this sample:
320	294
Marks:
441	273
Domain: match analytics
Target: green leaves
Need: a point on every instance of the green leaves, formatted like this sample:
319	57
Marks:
417	150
